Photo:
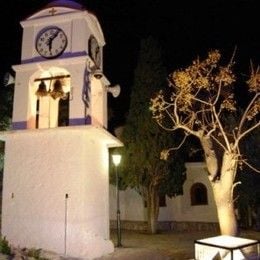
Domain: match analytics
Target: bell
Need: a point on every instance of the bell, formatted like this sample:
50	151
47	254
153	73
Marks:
42	90
57	91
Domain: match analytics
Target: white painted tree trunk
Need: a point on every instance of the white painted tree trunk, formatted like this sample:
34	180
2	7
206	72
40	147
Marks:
223	194
226	211
222	179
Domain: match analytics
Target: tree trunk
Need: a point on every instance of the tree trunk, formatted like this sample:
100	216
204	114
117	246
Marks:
226	212
223	194
152	209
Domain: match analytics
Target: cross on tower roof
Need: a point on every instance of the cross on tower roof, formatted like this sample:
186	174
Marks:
52	11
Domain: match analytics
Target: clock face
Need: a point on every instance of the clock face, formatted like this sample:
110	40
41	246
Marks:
94	51
51	42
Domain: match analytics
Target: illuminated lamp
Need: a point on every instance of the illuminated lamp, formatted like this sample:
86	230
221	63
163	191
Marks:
226	248
116	160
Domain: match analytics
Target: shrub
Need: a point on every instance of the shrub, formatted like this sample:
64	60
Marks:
4	246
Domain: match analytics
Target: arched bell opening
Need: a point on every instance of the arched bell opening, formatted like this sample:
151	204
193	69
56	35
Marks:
50	98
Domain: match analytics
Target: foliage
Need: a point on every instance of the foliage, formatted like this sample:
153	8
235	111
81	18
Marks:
142	137
142	167
32	252
248	194
35	253
201	103
6	101
1	157
201	96
5	247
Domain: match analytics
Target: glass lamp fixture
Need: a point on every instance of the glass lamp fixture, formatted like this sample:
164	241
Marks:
116	159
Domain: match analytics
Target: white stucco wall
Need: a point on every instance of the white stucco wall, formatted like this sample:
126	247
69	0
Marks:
131	205
41	167
178	208
196	172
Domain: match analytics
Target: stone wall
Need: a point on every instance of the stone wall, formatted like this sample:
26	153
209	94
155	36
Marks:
167	225
178	209
195	226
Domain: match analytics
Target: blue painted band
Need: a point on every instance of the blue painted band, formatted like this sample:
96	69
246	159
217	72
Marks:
19	125
73	121
64	55
80	121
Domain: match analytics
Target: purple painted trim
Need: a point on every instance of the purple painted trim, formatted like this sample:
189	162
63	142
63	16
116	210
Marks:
19	125
80	121
73	121
64	55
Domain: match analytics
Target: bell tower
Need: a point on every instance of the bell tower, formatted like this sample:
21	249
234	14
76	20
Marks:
61	70
55	187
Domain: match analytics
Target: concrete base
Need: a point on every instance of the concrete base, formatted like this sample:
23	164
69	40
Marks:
55	191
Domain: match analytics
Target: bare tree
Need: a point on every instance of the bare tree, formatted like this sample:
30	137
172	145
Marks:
200	99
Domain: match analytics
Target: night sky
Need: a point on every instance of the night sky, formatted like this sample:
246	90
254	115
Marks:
185	30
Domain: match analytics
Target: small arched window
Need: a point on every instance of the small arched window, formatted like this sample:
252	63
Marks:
198	194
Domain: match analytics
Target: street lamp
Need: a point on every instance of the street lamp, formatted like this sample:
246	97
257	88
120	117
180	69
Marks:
116	160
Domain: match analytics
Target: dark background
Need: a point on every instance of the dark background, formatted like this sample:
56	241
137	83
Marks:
185	30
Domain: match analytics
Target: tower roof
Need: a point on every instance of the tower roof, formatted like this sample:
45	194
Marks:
57	7
63	10
65	3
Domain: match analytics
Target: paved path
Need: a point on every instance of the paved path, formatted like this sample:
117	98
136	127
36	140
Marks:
166	245
135	254
163	246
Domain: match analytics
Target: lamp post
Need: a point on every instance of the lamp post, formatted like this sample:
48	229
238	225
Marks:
116	160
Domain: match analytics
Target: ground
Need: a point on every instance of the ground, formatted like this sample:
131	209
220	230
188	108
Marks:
162	246
166	245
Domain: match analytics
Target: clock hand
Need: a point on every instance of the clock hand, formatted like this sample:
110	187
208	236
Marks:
49	43
51	38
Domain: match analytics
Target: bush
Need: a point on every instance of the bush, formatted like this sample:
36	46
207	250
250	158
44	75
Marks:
35	253
4	247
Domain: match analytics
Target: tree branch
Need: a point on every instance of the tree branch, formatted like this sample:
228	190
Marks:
234	186
218	94
221	129
218	142
245	133
201	101
250	166
180	145
166	128
245	113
